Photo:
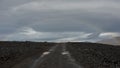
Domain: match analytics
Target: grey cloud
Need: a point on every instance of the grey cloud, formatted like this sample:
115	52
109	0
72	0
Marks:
31	34
109	34
94	16
7	4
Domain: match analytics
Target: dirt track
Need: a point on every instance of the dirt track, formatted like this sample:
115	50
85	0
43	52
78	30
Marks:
73	55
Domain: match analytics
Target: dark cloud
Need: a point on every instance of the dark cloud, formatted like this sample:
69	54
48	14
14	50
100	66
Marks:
89	16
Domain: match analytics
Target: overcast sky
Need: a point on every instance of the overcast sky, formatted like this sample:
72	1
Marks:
59	20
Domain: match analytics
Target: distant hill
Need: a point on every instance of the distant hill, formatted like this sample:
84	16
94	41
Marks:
112	41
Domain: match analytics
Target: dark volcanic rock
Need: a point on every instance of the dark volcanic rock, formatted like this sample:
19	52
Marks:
92	55
88	55
12	53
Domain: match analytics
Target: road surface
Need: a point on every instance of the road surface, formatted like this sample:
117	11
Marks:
56	57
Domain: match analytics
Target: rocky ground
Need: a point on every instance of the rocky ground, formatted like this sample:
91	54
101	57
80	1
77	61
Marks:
12	53
88	55
92	55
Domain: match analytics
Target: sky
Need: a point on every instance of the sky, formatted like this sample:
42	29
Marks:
59	20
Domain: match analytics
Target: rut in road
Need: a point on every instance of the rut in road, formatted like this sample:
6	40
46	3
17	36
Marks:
41	58
56	57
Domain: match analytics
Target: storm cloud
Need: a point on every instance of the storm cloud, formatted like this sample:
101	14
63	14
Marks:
58	20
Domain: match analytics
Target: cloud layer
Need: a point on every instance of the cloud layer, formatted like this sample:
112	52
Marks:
32	35
58	20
